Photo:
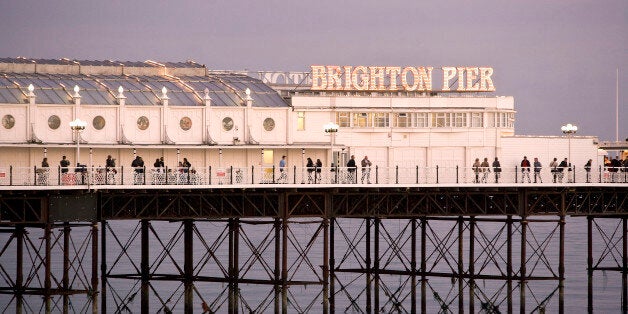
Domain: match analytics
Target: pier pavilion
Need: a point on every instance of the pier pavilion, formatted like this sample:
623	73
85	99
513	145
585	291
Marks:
93	239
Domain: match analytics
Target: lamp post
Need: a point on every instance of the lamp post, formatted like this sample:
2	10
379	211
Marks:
570	130
78	126
331	129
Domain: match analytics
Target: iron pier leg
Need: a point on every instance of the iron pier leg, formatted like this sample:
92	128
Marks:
94	288
376	266
47	282
522	280
509	262
332	265
236	263
326	254
460	265
423	266
561	266
66	266
277	284
624	270
188	265
284	257
413	267
144	267
234	226
103	266
472	265
368	266
19	273
590	263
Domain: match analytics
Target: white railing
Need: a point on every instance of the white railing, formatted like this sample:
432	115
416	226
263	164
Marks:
37	176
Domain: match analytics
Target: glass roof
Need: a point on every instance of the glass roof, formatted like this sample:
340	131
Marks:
225	89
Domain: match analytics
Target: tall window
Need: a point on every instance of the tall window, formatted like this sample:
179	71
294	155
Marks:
381	120
402	120
300	121
362	120
421	120
343	119
460	119
477	119
440	120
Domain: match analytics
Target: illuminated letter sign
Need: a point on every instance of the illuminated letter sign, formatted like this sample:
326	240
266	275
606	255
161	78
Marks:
379	78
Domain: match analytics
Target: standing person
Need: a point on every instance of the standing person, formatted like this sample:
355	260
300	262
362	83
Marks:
476	169
525	169
310	170
42	173
485	170
624	168
497	168
283	176
319	166
537	170
138	166
554	169
366	169
351	168
64	164
587	169
186	165
110	163
561	168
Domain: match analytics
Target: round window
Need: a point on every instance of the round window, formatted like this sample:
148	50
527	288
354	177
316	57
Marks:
227	124
269	124
8	121
185	123
142	123
98	122
54	122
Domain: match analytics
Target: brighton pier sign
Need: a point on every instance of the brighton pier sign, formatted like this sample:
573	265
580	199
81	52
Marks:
391	78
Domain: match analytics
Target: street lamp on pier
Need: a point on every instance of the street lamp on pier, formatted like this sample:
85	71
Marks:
77	127
331	129
569	129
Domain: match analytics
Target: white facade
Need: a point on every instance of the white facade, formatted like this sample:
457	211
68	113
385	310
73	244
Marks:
405	129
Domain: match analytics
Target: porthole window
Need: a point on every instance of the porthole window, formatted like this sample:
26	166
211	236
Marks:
185	123
269	124
227	124
8	121
54	122
142	123
98	122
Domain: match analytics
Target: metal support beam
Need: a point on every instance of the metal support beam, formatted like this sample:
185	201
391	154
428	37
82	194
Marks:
94	279
188	265
66	266
145	267
369	308
103	266
522	280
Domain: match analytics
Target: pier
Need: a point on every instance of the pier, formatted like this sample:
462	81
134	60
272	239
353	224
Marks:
254	247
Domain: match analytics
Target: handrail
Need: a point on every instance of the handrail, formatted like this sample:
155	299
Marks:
235	175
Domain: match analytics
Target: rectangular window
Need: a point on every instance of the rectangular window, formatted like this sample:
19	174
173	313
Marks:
381	120
300	121
362	120
491	119
460	119
511	120
421	120
402	120
477	119
440	120
343	119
